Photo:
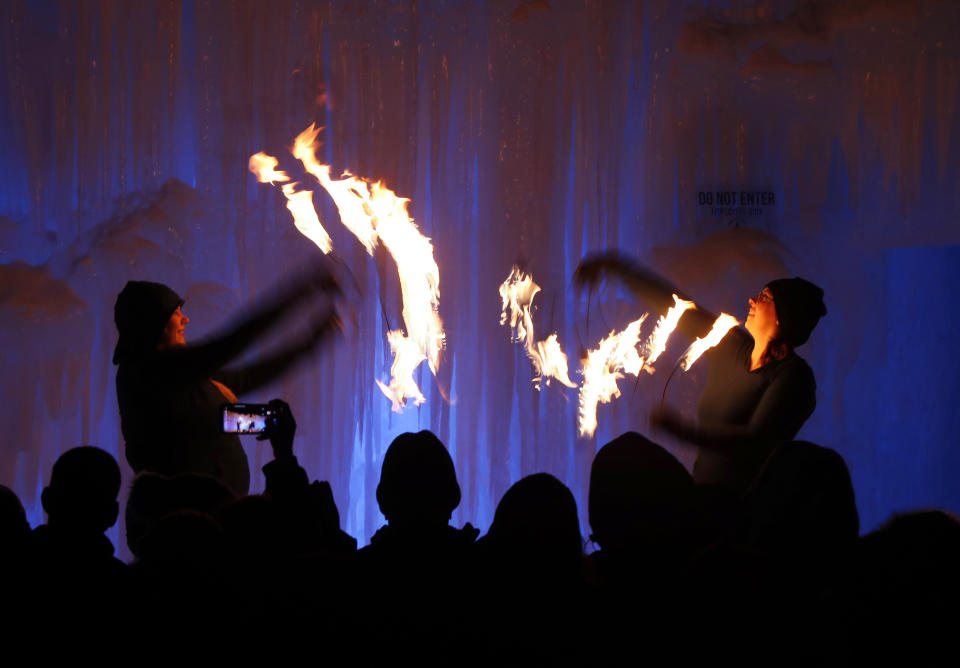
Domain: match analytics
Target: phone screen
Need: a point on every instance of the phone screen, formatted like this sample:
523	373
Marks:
239	419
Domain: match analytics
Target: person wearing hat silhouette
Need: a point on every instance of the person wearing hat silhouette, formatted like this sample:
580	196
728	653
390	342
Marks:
758	393
170	393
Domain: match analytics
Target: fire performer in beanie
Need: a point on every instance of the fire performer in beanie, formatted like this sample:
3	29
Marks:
759	392
170	393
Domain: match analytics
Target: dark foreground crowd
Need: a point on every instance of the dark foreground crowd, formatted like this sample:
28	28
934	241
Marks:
682	574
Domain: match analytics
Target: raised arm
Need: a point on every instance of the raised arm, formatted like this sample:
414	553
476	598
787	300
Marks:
652	289
248	378
203	360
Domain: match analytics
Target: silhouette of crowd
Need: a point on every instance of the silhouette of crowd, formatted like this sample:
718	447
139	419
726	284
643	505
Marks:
782	578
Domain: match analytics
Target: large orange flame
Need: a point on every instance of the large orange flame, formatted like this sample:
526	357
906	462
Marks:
547	357
601	371
723	324
373	212
418	271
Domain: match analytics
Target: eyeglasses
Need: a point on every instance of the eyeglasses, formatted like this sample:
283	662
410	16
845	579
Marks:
761	297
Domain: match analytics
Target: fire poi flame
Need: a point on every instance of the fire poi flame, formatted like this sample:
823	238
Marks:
548	359
350	194
723	324
406	358
300	203
553	362
373	212
657	342
601	371
419	278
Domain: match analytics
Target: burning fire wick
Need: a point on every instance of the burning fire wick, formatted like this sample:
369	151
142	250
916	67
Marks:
657	342
723	324
547	358
601	371
373	212
299	203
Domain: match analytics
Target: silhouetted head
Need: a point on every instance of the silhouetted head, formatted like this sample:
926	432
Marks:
184	541
144	314
153	496
418	484
639	496
921	548
906	574
83	489
537	517
802	501
13	519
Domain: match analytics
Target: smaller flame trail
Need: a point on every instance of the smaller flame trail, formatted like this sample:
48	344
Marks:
299	203
406	358
547	358
553	362
601	371
723	324
657	342
350	194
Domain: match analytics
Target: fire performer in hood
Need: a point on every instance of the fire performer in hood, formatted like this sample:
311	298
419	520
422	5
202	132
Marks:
759	392
170	393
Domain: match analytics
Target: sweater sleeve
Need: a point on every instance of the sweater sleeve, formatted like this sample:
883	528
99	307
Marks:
245	379
185	364
656	292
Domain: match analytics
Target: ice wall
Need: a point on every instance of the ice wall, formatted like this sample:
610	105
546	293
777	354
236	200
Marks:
529	131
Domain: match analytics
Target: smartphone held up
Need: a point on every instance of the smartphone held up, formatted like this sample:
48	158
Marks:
247	418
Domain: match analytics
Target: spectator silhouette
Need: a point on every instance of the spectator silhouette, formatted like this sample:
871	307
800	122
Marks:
80	582
535	530
293	533
284	602
81	498
154	496
531	592
640	515
308	512
801	504
14	527
639	501
766	591
418	489
180	563
905	588
180	574
411	574
14	537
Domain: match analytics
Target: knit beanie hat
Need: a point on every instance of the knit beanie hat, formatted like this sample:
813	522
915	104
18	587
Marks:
799	306
141	313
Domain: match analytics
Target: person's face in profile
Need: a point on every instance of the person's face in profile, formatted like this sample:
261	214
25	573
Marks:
173	333
762	318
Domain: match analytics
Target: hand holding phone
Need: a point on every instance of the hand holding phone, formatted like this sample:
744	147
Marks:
281	428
